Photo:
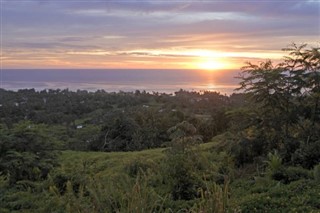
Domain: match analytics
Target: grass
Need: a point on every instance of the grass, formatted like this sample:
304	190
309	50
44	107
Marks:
105	163
108	163
115	176
111	182
98	181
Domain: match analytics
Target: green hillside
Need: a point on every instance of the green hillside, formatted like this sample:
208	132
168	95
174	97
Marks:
137	182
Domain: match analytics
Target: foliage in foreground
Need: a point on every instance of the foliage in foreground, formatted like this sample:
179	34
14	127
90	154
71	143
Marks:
117	182
27	152
283	111
104	187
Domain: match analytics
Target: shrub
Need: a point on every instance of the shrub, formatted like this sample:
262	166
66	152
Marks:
214	198
298	196
296	173
27	152
308	155
316	173
274	166
118	194
139	165
182	178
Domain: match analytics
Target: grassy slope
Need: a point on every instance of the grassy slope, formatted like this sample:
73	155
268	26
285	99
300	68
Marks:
110	163
250	195
105	163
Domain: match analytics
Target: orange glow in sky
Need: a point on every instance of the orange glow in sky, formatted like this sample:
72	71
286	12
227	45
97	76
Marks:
212	65
208	35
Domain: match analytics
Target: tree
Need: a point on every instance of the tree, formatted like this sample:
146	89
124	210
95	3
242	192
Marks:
181	160
117	135
304	70
265	86
27	152
286	98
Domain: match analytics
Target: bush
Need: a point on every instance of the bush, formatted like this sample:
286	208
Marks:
291	174
316	173
308	155
296	173
139	165
298	196
279	175
27	152
274	166
181	177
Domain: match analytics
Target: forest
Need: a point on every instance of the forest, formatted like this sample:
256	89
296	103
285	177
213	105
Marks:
256	150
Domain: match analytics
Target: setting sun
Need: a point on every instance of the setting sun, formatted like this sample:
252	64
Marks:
212	64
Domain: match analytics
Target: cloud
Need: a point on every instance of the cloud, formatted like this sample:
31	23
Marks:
119	28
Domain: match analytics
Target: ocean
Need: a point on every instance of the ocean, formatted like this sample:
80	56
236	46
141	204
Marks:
114	80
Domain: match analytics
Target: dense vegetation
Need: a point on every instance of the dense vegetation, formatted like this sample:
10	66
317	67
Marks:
254	151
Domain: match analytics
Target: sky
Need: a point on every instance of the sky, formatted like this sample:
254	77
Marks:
152	34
